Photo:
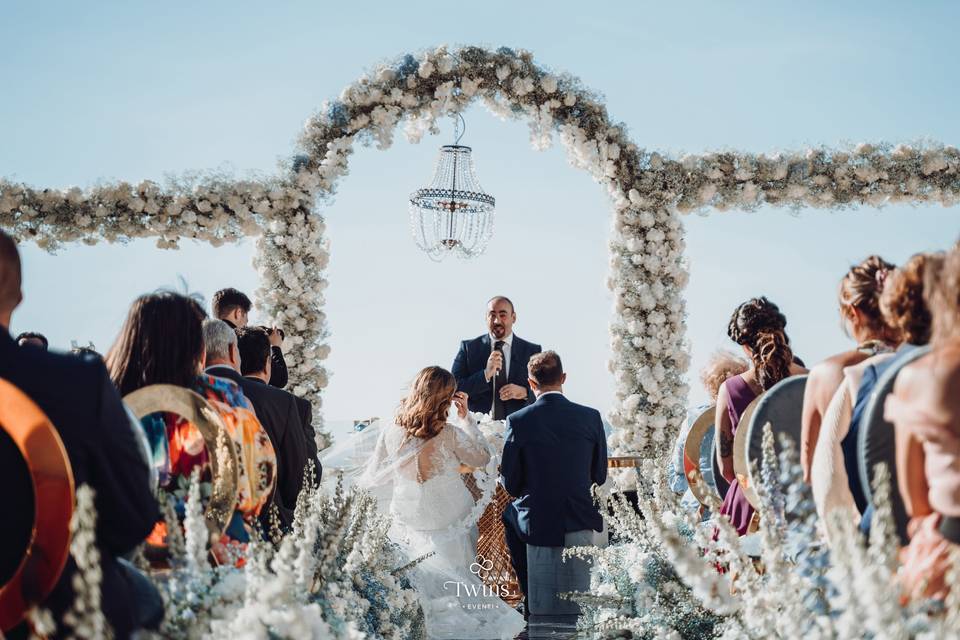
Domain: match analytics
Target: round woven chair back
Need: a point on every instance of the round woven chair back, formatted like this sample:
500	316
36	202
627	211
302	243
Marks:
782	407
38	486
876	442
702	426
741	466
192	407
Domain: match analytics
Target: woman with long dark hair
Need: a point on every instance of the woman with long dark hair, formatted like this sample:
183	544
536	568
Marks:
161	342
759	328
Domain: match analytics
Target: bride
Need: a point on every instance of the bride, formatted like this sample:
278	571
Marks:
416	471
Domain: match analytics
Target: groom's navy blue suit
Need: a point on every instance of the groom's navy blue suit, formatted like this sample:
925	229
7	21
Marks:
553	452
471	361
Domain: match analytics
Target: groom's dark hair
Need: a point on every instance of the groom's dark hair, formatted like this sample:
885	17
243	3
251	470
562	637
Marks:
546	369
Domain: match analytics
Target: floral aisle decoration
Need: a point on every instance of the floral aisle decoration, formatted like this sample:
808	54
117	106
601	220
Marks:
668	578
335	575
649	192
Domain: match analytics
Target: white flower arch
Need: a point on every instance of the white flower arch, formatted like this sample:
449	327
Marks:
648	193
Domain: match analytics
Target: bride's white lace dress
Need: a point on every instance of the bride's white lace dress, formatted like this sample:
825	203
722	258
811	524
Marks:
420	482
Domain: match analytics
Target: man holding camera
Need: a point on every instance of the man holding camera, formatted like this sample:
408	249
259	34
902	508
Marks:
233	307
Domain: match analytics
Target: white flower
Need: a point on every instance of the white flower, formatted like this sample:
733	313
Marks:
426	69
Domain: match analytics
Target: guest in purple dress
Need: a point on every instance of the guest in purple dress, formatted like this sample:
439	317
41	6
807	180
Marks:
759	327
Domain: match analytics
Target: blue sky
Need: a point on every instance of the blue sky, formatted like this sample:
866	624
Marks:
136	90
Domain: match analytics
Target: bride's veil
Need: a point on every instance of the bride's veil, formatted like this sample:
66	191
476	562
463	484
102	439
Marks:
363	461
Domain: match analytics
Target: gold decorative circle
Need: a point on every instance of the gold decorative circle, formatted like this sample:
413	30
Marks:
192	407
691	455
741	466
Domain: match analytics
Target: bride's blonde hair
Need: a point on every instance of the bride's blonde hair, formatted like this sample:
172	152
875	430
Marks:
423	413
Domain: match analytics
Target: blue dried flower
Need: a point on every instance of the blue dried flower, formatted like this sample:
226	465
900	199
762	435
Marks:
408	66
338	114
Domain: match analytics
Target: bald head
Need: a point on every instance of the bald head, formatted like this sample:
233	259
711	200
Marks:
10	294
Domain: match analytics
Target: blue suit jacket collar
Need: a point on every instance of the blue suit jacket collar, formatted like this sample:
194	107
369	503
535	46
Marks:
553	397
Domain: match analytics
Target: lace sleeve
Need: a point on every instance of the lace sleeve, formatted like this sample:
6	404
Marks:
469	445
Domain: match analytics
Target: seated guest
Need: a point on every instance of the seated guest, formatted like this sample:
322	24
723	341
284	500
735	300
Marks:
161	342
33	339
904	307
275	408
860	312
254	368
233	307
78	397
722	365
759	327
925	410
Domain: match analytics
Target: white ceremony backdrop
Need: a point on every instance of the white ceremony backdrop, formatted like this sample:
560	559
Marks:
648	192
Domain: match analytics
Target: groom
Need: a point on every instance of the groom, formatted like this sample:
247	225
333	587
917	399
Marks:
492	369
554	451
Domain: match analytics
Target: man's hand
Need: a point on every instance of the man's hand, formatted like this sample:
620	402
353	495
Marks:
494	364
460	399
513	392
276	337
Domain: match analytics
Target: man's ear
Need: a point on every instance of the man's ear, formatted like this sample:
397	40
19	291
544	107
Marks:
563	378
533	384
235	354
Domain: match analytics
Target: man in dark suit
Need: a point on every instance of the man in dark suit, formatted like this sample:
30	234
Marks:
233	307
77	395
306	420
492	369
275	408
554	452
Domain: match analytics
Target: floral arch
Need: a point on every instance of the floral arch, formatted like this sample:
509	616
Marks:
648	191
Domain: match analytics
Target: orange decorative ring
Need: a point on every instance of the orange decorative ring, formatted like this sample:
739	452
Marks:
51	477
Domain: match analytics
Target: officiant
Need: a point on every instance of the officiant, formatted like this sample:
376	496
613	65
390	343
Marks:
492	369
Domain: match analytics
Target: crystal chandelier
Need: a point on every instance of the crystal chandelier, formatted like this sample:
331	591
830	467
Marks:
453	214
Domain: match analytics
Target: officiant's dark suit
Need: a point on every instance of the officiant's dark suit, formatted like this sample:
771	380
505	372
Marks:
469	366
554	451
474	365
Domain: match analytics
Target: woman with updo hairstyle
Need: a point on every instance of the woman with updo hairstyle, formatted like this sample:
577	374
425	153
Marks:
859	298
759	328
925	411
835	476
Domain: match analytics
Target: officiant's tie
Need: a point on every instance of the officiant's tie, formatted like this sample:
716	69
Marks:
499	413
